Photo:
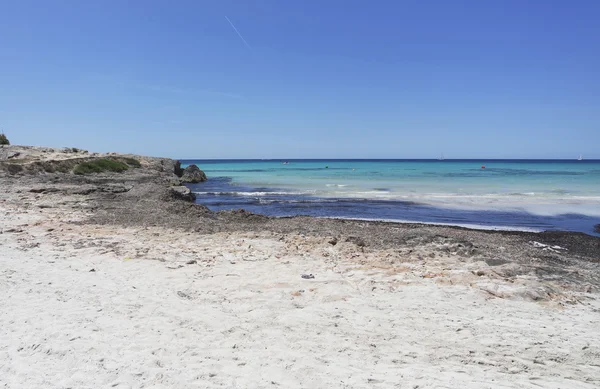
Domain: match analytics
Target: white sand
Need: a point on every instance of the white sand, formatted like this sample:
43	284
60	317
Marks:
242	317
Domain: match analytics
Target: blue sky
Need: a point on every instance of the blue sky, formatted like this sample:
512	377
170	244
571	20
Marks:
330	79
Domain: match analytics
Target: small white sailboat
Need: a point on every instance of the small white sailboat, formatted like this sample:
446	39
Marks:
580	158
441	158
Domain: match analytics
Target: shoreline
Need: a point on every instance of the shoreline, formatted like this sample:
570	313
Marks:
143	195
466	225
456	194
122	197
114	275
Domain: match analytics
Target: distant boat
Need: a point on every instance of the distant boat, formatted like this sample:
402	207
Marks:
441	157
580	158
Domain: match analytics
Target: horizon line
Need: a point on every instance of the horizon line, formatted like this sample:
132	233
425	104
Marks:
389	159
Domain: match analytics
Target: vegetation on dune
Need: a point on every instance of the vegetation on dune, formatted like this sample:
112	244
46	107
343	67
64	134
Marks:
99	166
4	139
132	162
106	165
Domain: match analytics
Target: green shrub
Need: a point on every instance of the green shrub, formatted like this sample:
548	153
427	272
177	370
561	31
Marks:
75	149
99	166
4	140
132	162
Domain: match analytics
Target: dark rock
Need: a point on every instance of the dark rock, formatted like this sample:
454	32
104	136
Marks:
12	168
192	175
191	262
114	189
182	193
8	153
43	190
177	170
333	241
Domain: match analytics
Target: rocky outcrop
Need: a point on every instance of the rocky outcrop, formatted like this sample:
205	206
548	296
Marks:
162	165
597	228
192	175
8	154
19	166
182	193
18	160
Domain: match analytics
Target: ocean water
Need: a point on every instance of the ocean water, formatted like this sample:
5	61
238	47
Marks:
506	194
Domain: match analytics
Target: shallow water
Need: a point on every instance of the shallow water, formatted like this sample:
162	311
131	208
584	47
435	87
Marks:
521	194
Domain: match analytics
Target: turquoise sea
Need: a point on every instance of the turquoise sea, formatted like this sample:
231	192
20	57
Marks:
507	194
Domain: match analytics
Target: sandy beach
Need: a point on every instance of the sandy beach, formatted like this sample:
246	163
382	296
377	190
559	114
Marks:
110	280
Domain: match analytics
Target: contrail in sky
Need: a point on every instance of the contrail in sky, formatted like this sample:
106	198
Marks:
240	35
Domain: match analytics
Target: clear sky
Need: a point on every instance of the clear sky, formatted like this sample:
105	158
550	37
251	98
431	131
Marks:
304	79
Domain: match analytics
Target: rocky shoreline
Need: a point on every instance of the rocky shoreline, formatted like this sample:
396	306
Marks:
153	195
77	228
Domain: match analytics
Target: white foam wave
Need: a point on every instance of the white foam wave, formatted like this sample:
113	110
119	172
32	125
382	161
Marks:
251	194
